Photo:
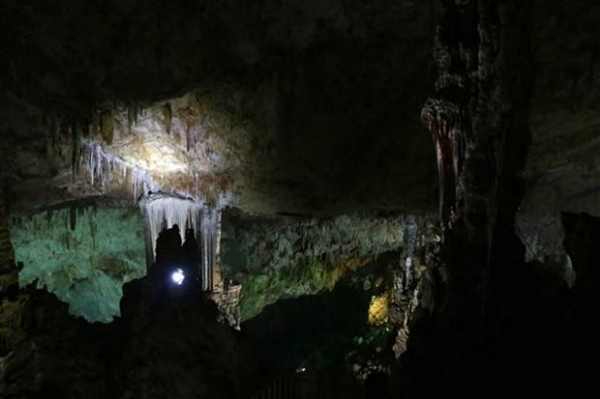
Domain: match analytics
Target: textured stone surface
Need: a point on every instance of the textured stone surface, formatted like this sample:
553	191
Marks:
308	106
282	257
311	107
480	109
314	104
563	162
83	255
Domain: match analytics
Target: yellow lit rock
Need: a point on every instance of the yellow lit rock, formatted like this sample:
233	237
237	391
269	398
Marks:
378	309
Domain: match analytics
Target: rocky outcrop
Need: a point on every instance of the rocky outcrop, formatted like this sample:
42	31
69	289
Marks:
81	252
481	128
411	279
282	257
167	343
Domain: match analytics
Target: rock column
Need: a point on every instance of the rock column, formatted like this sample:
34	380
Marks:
478	118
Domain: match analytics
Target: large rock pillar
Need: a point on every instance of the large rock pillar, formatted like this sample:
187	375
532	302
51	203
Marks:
478	120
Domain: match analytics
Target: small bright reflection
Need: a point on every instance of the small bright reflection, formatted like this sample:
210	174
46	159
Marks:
178	276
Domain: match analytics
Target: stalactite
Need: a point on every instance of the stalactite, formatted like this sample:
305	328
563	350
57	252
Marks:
206	245
75	146
210	236
167	116
54	131
162	211
216	248
95	123
133	113
102	167
478	117
187	139
130	118
443	120
107	125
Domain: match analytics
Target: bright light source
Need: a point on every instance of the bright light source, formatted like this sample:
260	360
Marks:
178	276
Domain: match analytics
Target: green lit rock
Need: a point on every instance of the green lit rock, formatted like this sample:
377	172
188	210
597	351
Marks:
286	257
82	255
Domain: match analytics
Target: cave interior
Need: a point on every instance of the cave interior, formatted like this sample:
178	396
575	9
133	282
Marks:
298	199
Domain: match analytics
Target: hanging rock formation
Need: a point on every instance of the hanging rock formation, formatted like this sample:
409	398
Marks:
164	211
478	119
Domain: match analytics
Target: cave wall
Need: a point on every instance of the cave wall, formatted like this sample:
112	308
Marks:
281	257
83	255
562	168
305	106
478	119
321	98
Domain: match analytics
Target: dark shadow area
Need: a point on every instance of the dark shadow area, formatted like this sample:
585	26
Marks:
313	330
320	341
167	343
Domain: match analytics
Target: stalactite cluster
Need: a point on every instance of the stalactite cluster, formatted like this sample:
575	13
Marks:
164	211
103	167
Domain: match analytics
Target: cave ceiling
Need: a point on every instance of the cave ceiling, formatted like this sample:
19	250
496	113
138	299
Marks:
276	106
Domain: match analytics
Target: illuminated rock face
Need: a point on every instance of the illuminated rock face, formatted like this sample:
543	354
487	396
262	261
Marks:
186	151
319	118
163	212
332	104
82	255
284	257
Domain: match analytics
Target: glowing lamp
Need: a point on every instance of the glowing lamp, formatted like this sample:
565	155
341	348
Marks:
178	276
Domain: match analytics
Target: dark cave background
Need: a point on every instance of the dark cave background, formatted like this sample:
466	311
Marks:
304	119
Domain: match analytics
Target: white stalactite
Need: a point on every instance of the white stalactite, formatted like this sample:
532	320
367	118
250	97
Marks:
163	212
210	238
103	167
